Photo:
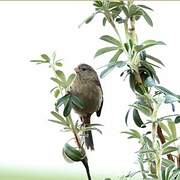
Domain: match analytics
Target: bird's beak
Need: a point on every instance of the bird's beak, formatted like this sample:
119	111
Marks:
77	70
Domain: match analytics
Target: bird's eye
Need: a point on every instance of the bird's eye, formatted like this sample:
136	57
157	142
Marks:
83	69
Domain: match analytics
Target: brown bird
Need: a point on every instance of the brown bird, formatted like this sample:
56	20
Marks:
87	88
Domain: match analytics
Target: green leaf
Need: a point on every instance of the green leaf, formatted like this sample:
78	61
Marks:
73	153
148	141
106	71
149	82
132	81
120	64
147	44
116	56
154	59
70	80
172	127
94	124
165	128
104	21
150	70
61	75
56	81
126	117
137	119
170	99
165	145
59	64
167	163
126	46
133	133
111	66
56	93
62	100
59	117
125	10
58	122
144	109
175	175
90	18
165	90
92	128
77	102
68	106
105	50
39	61
133	9
169	149
46	57
111	40
142	55
153	176
177	120
145	7
147	17
53	89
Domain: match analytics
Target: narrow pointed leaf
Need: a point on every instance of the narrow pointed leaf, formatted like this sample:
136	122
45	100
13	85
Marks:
172	127
59	64
144	109
90	18
177	120
111	40
165	128
38	61
59	117
58	122
147	17
147	44
73	153
61	75
126	117
137	119
105	50
155	59
56	81
77	102
106	71
116	56
145	7
68	107
70	80
165	90
165	145
169	149
62	100
149	82
46	57
120	64
170	99
56	93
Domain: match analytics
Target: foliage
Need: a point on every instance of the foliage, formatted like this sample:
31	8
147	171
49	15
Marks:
159	142
63	98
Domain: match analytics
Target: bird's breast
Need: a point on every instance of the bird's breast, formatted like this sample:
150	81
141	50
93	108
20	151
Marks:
90	94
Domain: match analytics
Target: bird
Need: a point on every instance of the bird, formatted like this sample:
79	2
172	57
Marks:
87	88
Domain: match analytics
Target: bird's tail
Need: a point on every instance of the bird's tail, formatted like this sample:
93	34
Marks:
88	134
89	140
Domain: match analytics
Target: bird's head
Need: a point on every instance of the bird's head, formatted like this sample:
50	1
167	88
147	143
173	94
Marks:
85	72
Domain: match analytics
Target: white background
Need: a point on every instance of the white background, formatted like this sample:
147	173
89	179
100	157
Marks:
28	29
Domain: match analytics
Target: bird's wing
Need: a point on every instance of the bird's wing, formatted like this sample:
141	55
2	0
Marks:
97	82
100	108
